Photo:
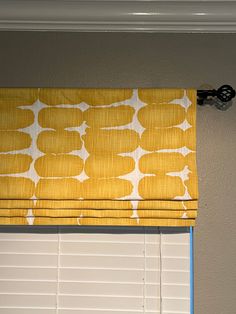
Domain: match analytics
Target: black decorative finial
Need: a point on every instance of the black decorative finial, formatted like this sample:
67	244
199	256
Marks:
225	93
220	98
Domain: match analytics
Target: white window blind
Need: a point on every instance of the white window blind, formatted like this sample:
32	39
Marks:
68	270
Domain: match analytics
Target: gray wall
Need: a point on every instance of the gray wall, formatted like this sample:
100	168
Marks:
160	60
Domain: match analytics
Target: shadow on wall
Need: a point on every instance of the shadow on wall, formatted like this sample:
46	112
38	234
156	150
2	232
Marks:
88	229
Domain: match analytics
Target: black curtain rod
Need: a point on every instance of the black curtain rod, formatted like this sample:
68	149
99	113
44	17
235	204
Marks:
221	98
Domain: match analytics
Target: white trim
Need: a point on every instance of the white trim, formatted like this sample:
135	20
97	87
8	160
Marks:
119	15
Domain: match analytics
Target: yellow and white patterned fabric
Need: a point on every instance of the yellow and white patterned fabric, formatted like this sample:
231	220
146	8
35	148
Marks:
98	157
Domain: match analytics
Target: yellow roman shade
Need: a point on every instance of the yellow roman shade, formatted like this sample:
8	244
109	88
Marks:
98	157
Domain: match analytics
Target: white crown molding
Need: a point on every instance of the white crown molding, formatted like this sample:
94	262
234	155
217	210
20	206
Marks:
119	15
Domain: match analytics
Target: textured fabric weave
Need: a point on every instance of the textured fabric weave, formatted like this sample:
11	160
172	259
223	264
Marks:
98	157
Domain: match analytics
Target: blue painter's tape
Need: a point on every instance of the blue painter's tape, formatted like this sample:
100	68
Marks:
191	271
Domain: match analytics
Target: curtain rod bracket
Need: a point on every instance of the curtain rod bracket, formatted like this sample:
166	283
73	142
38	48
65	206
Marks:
220	98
